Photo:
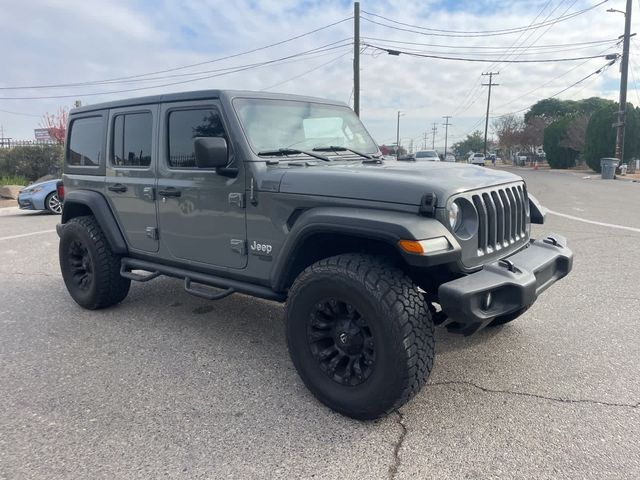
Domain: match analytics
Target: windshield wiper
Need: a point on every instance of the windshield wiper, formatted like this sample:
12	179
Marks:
292	151
332	148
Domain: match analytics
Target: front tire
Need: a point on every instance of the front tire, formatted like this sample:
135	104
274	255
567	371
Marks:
360	335
91	271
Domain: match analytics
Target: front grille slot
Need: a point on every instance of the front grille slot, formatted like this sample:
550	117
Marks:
502	218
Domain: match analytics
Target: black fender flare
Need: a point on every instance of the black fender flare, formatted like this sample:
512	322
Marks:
382	225
100	209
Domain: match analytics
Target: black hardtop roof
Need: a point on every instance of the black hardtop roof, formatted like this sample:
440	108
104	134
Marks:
198	95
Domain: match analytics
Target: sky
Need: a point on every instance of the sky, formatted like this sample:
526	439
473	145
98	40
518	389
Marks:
74	41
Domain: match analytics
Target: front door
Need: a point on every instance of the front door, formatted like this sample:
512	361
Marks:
201	213
130	174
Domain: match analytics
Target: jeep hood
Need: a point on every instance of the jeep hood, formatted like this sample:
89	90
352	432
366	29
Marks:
392	181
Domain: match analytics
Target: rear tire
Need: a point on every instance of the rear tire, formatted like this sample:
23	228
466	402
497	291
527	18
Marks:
360	335
91	271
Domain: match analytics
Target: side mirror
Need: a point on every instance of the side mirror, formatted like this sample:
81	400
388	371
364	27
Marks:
211	152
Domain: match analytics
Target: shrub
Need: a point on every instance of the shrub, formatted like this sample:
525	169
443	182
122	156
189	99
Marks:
558	156
31	162
13	181
601	136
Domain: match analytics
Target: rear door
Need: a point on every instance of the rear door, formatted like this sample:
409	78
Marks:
130	174
201	213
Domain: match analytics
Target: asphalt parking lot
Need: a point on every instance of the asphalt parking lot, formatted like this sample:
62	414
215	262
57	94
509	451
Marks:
169	385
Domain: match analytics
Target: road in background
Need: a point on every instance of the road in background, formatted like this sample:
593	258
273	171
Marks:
166	384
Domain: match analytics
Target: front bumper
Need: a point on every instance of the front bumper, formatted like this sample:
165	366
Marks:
25	203
505	287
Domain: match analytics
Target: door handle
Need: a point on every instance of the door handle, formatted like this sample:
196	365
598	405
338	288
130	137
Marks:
169	192
118	187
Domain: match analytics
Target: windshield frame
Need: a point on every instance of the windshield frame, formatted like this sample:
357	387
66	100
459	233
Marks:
337	106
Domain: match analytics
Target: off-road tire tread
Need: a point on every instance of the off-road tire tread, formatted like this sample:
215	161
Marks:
112	288
408	313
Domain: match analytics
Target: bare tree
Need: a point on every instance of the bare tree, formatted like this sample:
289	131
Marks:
508	129
533	133
56	124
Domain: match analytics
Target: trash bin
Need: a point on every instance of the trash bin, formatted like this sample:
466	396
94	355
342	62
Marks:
608	167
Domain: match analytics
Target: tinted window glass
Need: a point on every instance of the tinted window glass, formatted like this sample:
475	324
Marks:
85	143
132	140
184	126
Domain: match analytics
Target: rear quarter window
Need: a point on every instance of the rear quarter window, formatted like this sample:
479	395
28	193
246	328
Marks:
85	146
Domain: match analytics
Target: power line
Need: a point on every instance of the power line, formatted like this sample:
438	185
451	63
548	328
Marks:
463	59
238	69
318	67
494	47
320	51
482	33
600	70
521	96
471	100
183	67
392	44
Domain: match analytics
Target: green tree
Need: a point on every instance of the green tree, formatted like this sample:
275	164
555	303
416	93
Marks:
473	143
600	139
557	155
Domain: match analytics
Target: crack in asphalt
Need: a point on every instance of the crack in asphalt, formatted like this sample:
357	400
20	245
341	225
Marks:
393	468
534	395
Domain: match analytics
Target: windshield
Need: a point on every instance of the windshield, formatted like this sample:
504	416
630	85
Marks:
426	154
478	155
271	124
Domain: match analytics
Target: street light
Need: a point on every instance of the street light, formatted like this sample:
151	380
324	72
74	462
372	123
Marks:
398	135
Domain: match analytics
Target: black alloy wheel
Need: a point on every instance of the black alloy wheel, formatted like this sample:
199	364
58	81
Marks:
81	265
341	340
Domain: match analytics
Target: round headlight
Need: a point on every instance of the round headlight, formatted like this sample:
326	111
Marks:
455	216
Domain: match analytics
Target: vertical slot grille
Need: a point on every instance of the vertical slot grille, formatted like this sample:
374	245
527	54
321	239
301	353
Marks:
502	218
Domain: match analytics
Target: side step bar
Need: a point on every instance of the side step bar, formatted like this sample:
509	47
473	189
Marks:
228	285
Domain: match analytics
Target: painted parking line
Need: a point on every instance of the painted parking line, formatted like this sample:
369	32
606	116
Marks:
593	222
41	232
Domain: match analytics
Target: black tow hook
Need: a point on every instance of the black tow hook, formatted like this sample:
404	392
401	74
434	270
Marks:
552	241
508	264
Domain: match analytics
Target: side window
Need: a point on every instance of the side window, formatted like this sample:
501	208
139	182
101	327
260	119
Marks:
184	126
85	142
132	133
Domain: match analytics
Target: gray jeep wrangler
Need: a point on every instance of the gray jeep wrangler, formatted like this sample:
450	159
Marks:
287	198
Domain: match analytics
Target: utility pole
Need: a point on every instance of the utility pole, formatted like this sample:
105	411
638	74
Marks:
624	72
356	58
486	121
398	136
434	129
446	125
424	141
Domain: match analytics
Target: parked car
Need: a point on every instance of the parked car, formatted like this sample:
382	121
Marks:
476	159
428	155
450	157
41	196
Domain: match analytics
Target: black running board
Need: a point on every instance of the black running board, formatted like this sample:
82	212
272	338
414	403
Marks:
228	285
